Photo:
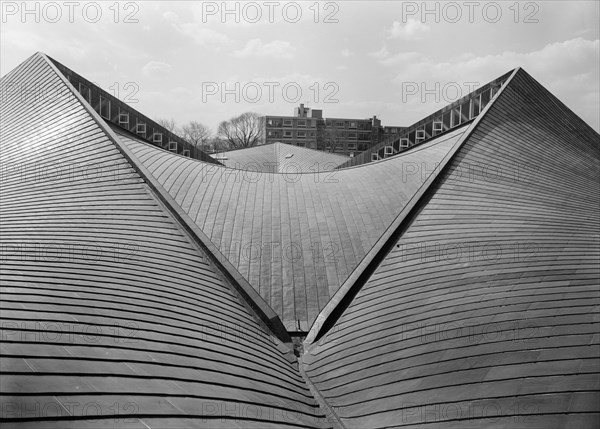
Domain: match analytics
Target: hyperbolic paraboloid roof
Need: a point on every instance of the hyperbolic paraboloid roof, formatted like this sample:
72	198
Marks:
280	158
454	284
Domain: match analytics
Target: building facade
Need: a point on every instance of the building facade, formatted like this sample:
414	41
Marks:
307	128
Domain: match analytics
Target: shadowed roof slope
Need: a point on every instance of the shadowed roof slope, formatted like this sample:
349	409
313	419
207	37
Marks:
280	158
295	237
108	306
485	311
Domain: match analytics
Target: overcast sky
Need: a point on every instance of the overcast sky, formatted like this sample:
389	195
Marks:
364	58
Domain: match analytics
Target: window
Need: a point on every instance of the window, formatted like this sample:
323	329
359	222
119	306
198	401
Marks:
352	124
485	99
339	124
85	92
157	137
420	135
404	143
301	134
494	91
173	146
287	133
464	112
352	146
428	129
270	122
140	128
104	107
437	127
301	144
186	152
446	120
287	123
389	151
123	117
374	157
302	123
456	116
475	106
351	135
312	133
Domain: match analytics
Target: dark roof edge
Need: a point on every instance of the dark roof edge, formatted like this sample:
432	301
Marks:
248	296
363	272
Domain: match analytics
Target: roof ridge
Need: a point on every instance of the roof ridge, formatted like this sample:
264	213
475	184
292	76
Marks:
264	314
363	271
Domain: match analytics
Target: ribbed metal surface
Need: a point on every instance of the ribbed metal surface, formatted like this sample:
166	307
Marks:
280	158
295	237
485	313
109	312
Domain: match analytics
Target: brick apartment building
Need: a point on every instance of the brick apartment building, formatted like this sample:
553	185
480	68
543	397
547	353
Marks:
308	128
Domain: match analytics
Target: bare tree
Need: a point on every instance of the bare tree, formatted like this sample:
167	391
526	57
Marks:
169	124
217	144
197	134
242	131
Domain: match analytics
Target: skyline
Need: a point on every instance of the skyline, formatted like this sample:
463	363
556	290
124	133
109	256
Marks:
399	67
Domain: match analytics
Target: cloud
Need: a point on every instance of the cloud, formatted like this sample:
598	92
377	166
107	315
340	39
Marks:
170	16
561	60
198	33
568	69
401	58
275	49
381	54
202	36
347	53
412	30
156	70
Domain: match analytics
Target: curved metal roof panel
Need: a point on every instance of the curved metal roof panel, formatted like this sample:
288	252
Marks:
484	312
295	237
280	158
110	314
